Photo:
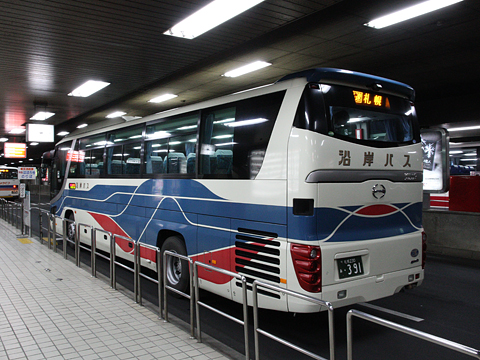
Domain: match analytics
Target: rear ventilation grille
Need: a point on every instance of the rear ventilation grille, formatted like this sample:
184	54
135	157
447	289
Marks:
257	256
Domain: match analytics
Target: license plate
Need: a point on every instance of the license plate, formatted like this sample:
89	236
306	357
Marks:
349	267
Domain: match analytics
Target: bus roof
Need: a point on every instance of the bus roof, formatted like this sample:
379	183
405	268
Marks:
352	78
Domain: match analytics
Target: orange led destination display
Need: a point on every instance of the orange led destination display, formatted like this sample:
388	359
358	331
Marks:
15	150
365	98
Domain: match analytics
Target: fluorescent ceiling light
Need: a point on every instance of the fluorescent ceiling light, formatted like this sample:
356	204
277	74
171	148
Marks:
456	152
17	131
210	16
465	128
247	68
162	98
42	115
409	13
63	133
246	122
115	114
468	159
4	139
82	126
33	143
88	88
471	154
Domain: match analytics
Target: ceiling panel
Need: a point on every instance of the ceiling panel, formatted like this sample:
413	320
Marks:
49	47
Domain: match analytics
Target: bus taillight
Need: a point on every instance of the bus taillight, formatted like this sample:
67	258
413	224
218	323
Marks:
15	186
308	266
424	249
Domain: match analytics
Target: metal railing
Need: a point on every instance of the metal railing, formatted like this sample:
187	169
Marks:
158	268
257	330
406	330
113	262
198	303
190	296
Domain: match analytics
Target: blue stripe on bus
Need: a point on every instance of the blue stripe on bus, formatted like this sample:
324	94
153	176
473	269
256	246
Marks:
168	211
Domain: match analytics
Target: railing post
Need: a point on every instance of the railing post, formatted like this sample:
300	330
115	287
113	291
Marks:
93	257
255	320
50	236
40	230
164	273
136	280
21	216
245	316
64	237
113	277
197	305
77	244
160	283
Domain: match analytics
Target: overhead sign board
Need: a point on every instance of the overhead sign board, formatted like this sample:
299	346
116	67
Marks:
27	173
15	150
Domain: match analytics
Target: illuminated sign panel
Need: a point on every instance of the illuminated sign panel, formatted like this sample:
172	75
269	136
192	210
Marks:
76	156
436	167
365	98
40	133
15	150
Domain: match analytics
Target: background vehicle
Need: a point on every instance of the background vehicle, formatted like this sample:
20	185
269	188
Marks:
313	184
9	183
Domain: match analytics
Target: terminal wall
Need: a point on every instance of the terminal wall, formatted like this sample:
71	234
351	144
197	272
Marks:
452	233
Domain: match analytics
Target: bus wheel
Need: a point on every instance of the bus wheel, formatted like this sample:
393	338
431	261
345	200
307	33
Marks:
177	270
71	230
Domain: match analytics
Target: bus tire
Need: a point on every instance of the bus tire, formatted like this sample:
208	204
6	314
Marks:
71	229
176	269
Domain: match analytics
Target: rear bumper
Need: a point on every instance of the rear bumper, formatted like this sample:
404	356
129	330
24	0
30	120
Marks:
361	290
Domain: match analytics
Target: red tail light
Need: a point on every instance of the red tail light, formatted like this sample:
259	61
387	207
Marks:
15	186
424	249
308	266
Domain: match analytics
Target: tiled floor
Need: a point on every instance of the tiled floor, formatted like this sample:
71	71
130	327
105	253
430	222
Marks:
50	309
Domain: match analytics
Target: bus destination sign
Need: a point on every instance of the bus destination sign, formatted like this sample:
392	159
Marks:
375	100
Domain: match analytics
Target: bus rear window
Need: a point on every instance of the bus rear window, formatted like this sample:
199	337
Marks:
352	114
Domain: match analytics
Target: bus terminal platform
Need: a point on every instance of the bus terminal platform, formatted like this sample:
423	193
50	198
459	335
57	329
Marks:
51	309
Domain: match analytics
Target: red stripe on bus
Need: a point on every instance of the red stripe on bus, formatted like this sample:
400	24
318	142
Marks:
373	210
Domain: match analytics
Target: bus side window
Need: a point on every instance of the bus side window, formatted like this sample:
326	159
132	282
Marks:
234	137
154	150
216	152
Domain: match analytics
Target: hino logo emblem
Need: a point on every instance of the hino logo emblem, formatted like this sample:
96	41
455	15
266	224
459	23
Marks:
378	191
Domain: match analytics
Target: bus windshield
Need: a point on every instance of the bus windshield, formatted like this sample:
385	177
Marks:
8	174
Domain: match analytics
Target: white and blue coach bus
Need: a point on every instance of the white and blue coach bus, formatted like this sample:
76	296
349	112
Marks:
313	184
